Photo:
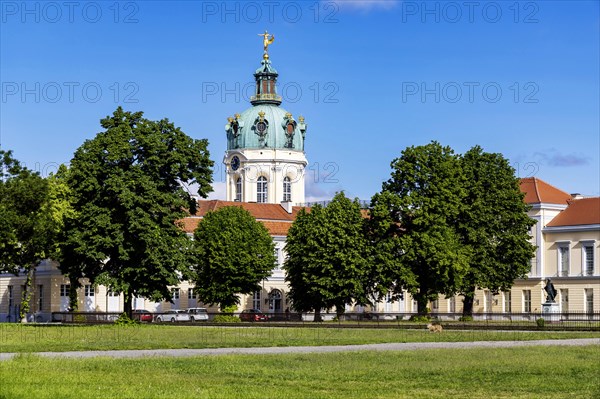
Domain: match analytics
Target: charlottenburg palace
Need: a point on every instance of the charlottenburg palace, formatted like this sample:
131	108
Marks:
265	162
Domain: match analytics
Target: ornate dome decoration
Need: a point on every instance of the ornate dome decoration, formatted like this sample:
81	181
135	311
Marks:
265	142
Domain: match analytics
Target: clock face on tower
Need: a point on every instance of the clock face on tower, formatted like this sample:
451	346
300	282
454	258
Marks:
235	163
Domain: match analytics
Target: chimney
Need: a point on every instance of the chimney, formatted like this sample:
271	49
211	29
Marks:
287	206
576	196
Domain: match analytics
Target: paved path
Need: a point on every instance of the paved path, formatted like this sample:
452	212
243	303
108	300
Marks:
311	349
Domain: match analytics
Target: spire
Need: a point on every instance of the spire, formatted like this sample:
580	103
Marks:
266	77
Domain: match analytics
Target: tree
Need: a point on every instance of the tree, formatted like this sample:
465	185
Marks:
494	225
126	185
328	257
414	219
26	228
60	210
233	253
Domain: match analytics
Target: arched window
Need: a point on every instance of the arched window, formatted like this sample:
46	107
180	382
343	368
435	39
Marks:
287	190
261	189
238	189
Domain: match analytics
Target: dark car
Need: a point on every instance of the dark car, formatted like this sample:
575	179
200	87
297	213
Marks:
142	315
253	315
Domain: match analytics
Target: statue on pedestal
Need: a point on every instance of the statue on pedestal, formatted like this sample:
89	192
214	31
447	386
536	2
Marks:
550	290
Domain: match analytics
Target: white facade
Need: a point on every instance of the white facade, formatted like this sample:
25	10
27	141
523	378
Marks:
262	175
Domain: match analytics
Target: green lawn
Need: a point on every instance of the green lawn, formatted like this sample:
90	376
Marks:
31	338
528	372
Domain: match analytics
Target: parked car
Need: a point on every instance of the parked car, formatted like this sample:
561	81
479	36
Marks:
173	316
198	314
253	315
142	315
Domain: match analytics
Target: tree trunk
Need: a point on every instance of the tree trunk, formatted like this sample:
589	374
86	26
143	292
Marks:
318	315
339	312
128	304
468	302
73	301
422	303
26	296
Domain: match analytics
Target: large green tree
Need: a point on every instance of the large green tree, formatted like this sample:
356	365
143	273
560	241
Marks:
126	186
493	224
233	253
27	229
328	257
414	219
61	210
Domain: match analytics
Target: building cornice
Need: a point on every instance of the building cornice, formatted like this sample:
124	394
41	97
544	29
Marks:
560	229
549	206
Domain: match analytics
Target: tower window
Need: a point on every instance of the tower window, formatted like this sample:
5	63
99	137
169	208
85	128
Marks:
261	190
238	189
287	190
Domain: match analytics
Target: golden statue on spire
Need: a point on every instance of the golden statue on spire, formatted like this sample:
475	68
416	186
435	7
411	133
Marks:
266	42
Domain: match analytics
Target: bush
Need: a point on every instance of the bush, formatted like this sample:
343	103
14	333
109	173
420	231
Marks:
222	318
229	309
124	320
465	318
540	322
420	318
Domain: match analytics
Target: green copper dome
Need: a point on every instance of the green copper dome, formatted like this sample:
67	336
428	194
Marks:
265	124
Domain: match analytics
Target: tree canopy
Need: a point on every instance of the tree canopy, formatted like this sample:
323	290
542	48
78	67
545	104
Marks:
127	195
27	229
233	253
494	225
415	218
328	257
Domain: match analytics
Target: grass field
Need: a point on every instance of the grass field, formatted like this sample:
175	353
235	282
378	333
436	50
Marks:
31	338
529	372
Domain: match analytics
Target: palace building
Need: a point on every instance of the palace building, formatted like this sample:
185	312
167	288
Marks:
265	163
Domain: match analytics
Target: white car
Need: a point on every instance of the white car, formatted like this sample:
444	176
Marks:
173	316
198	314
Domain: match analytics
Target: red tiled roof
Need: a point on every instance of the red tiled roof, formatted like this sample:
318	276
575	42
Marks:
538	191
579	212
276	219
278	228
258	210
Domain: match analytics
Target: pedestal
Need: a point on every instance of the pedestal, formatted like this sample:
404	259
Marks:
551	311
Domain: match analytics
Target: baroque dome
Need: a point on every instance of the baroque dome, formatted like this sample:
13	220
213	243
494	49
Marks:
265	124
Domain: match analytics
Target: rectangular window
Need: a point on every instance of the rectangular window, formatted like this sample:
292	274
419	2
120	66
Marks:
487	298
588	260
527	301
287	190
238	189
277	258
261	190
589	300
564	301
256	300
64	289
435	305
563	260
89	290
452	305
175	292
191	294
507	302
11	301
40	297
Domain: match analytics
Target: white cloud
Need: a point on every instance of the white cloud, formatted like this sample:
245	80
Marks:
219	191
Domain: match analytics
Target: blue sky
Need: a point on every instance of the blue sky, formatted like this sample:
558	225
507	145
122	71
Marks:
370	77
